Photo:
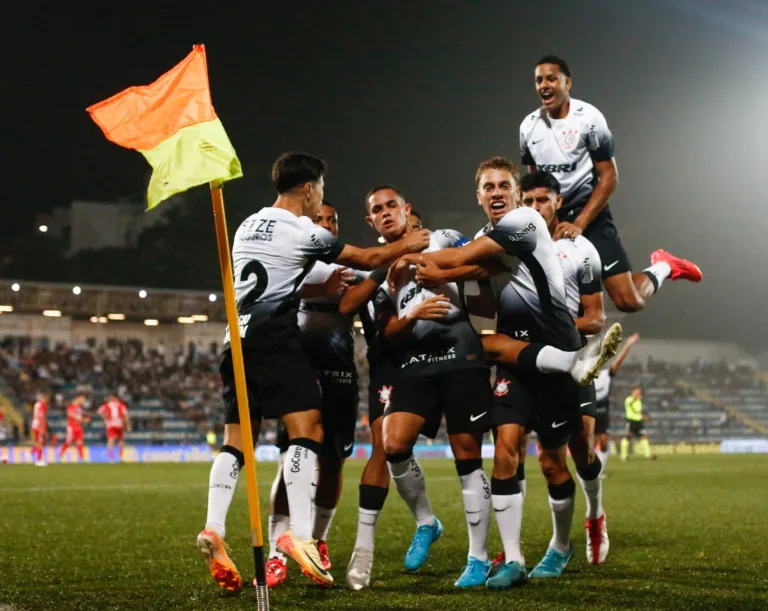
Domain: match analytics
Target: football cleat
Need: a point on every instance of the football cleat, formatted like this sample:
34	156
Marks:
593	357
498	562
360	569
475	573
552	564
509	575
597	540
322	549
216	554
682	269
306	555
277	571
425	536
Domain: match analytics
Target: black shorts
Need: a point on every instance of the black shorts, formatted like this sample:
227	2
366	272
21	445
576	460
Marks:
605	237
339	413
602	417
587	402
635	428
380	390
463	396
279	378
545	403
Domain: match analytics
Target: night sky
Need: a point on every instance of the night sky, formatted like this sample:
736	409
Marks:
418	93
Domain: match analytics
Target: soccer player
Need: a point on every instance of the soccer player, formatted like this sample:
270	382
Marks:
603	399
40	427
392	217
115	415
570	138
442	372
75	419
273	252
636	419
329	344
532	306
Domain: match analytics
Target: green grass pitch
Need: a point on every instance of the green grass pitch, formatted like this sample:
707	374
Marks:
687	532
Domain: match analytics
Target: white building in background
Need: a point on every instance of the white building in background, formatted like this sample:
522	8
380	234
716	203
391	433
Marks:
88	224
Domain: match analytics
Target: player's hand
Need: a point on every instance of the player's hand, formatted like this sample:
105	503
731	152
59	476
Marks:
338	281
434	308
427	272
417	241
397	269
566	230
633	338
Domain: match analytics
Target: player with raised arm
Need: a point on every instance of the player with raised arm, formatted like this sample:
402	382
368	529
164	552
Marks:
273	252
115	415
40	427
75	419
329	344
603	399
570	138
391	216
532	305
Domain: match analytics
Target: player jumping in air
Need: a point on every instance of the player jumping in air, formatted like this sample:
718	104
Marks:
570	138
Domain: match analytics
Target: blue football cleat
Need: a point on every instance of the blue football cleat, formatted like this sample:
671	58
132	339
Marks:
552	564
475	573
511	574
425	536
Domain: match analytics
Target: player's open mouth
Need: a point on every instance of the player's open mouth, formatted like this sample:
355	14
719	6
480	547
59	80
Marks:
546	95
498	206
388	224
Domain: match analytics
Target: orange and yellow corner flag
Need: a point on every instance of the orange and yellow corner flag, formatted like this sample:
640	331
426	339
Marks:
173	124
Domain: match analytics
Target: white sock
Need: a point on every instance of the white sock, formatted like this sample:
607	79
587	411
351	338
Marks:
299	475
323	519
660	271
278	526
409	480
603	456
554	360
509	517
562	518
366	527
523	486
476	492
221	489
593	493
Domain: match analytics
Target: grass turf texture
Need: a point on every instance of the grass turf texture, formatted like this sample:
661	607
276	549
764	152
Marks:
687	532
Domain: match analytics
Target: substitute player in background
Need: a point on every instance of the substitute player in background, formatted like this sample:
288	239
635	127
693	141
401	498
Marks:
273	251
570	138
75	419
115	415
636	419
328	342
40	427
603	399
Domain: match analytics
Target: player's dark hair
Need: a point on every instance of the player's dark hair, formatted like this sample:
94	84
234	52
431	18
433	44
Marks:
497	163
381	187
416	214
557	61
329	204
539	178
294	169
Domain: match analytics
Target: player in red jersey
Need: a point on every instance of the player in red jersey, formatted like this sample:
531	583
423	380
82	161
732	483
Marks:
40	427
75	419
115	414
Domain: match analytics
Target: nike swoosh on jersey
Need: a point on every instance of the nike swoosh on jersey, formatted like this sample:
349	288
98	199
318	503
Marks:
556	425
348	447
608	267
473	418
536	141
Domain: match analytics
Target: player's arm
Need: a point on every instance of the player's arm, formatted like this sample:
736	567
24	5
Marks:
322	285
631	340
593	317
372	258
590	290
428	273
600	147
525	152
356	297
127	421
398	330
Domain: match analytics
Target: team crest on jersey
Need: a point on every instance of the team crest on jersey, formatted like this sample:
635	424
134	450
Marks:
569	138
385	393
502	388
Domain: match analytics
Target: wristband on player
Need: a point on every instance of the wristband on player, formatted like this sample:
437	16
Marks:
378	275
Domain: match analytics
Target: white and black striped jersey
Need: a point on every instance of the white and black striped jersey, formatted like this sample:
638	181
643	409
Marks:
272	253
437	346
568	148
581	270
326	333
532	303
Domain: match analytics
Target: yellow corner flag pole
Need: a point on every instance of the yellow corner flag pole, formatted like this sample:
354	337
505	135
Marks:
225	261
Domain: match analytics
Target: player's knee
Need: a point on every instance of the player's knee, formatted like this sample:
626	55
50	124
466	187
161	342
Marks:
394	447
551	465
505	459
